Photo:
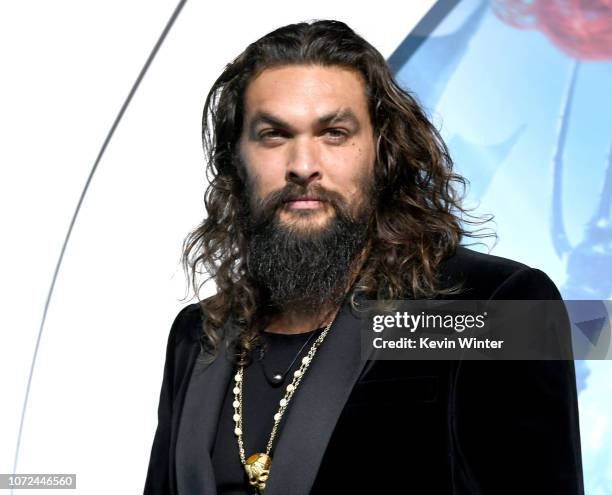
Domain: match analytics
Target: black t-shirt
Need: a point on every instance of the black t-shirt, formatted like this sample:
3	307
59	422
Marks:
260	403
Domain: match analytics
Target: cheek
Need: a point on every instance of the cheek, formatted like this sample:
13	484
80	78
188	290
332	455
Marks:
355	167
265	172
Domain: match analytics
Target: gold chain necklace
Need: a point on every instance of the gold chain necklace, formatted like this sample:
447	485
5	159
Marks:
257	466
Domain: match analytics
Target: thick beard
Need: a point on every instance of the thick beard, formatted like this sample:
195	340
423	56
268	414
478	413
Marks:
304	269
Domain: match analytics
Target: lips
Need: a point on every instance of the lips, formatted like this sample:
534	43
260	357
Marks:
302	198
304	202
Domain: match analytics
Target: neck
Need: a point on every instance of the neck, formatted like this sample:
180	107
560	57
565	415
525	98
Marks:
294	322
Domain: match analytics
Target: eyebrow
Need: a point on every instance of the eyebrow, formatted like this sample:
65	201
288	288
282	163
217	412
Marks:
336	117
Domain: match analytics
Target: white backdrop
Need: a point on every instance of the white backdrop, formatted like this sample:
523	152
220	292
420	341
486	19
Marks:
67	68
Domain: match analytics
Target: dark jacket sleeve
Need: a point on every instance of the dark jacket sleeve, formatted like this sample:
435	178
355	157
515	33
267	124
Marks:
515	423
158	473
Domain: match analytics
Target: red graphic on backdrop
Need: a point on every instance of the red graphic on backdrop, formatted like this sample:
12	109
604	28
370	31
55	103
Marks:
580	28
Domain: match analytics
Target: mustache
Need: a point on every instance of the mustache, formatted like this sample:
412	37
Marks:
277	199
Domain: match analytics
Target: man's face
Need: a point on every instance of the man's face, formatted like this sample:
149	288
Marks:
307	144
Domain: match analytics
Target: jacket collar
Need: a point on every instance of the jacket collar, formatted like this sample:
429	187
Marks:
308	426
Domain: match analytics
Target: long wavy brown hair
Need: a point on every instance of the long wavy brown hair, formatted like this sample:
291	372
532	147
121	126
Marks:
418	219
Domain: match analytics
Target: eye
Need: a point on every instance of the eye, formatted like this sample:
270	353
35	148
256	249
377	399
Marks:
336	134
270	134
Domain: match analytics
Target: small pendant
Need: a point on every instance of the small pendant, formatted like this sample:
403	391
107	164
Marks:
257	467
277	378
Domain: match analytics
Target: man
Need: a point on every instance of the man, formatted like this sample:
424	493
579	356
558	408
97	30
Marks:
328	185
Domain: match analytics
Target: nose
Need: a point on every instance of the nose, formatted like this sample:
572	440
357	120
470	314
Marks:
303	166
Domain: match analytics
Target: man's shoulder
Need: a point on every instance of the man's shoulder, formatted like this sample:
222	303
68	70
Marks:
465	260
187	324
486	276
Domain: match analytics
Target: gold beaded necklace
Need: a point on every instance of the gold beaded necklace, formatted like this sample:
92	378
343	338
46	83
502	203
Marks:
257	466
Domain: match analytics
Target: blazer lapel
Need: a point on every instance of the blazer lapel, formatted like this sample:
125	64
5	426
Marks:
198	426
316	406
309	423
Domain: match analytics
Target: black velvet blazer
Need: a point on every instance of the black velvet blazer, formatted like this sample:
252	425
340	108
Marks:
418	427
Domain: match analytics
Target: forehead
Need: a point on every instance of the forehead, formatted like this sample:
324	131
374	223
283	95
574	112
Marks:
306	91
